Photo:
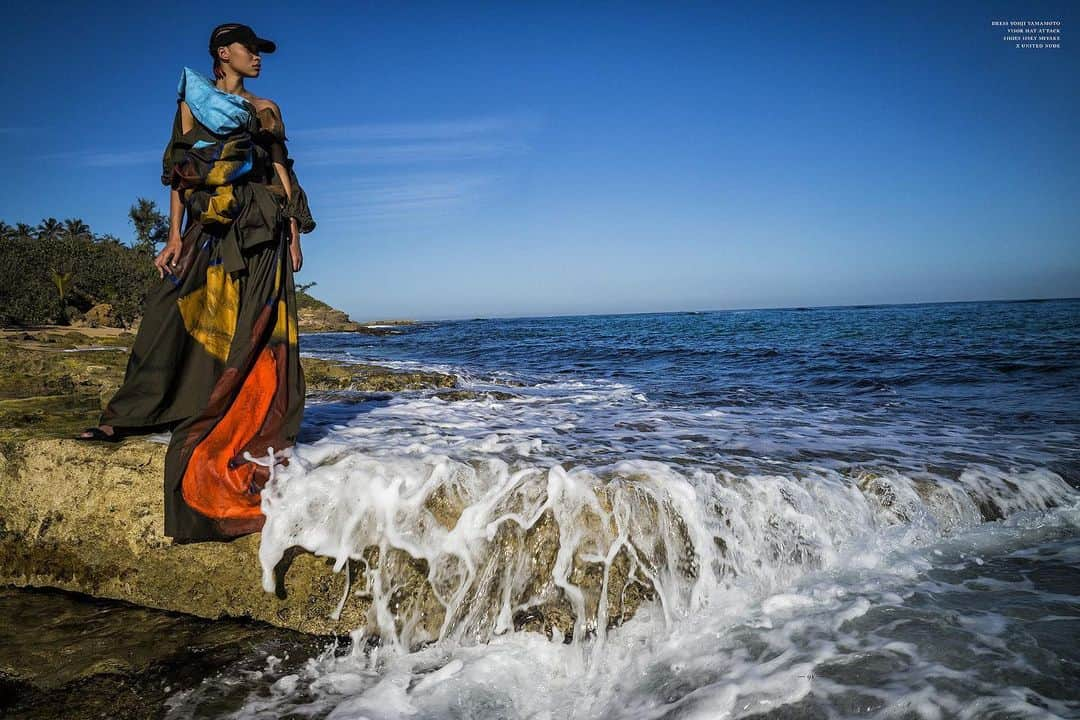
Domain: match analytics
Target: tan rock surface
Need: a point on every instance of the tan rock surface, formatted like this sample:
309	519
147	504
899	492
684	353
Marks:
86	517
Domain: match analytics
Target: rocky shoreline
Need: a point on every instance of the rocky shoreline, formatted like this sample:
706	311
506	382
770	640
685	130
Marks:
312	315
86	517
315	316
55	380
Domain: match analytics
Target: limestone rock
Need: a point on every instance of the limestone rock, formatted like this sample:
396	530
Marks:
87	518
100	315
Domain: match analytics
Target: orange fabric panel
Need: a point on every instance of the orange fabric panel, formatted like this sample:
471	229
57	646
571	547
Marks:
210	486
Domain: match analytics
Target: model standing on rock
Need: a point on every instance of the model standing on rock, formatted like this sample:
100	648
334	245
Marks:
216	357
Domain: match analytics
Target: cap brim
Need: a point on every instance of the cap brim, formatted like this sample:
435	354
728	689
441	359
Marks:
264	45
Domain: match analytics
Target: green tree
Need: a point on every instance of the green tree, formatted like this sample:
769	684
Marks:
26	293
151	226
109	239
67	261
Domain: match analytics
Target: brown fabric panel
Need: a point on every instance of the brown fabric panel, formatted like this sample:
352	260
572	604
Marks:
297	206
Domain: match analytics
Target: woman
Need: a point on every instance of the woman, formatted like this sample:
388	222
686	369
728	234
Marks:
216	356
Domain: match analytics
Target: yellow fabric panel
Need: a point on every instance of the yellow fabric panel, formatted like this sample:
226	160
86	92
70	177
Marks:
221	172
231	159
285	325
221	206
210	313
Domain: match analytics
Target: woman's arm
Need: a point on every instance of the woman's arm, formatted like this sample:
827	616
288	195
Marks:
171	252
176	215
286	183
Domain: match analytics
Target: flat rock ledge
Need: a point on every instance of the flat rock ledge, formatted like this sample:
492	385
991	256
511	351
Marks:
86	518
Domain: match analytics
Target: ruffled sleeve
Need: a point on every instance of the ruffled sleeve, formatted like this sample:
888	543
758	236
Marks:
175	150
272	130
297	206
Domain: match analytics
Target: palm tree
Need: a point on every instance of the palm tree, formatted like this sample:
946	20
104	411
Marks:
62	281
76	228
24	231
49	229
7	232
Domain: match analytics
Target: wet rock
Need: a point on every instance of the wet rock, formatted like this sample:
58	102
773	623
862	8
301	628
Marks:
68	656
327	375
455	395
87	518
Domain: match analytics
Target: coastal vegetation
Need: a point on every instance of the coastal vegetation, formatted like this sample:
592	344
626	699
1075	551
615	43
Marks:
58	272
63	273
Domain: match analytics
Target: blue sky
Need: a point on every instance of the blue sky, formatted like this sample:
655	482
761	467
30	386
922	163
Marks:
539	158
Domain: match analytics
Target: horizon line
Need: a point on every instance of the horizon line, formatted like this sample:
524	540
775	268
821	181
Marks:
739	309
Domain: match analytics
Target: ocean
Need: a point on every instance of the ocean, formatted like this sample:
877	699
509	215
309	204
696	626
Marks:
882	503
846	512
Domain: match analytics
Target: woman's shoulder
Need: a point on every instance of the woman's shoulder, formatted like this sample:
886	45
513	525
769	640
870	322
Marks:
265	105
269	115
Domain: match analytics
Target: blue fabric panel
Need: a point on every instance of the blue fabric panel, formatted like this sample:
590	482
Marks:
220	112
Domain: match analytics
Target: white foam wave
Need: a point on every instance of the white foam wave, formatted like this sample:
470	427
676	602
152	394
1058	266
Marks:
781	575
830	602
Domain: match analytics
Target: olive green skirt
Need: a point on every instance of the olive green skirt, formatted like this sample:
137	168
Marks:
216	359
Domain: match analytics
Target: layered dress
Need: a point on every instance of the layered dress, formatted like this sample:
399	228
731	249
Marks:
216	358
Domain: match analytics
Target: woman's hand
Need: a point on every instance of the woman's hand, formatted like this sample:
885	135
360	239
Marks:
294	245
169	255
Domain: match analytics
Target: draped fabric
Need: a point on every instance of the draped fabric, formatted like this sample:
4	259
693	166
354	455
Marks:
216	357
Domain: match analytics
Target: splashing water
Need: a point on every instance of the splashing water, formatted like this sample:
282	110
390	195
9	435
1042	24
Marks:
631	540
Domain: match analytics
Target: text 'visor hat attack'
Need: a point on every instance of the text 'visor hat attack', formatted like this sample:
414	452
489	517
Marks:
235	32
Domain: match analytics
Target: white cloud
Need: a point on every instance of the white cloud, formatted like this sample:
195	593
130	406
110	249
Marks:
445	130
106	158
403	195
412	153
440	165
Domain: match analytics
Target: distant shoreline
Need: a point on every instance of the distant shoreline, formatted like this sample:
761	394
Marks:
785	308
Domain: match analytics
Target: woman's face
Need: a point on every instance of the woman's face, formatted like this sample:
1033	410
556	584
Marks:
244	60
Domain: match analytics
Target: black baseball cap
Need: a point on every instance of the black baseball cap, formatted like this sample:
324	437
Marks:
235	32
